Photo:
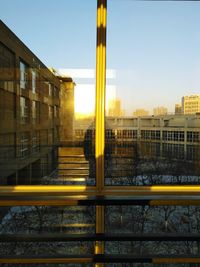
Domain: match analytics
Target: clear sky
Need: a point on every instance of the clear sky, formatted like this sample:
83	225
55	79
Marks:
153	46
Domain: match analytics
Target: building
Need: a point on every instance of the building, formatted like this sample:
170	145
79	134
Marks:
29	113
115	108
191	104
176	136
160	111
140	112
178	109
66	109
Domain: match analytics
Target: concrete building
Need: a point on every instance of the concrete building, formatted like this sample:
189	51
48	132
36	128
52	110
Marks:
115	109
178	109
160	111
191	104
29	113
140	112
66	109
174	136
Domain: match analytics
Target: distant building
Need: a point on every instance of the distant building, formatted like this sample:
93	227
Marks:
140	112
160	111
115	108
191	104
172	136
178	109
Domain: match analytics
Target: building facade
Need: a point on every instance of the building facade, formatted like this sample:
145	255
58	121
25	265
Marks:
140	112
66	109
191	104
178	109
160	111
175	136
29	113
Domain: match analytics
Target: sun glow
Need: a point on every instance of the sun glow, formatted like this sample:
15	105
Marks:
84	99
84	92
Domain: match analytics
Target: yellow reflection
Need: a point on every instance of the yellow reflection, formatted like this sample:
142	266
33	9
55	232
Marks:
84	98
41	188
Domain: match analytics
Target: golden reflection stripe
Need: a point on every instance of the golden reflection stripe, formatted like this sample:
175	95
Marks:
100	92
45	260
108	190
100	116
175	260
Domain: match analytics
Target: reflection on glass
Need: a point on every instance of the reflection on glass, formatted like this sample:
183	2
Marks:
159	220
153	120
43	110
47	220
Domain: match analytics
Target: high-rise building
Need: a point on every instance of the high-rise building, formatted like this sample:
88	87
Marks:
160	111
191	104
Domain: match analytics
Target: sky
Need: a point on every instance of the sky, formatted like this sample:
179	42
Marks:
154	46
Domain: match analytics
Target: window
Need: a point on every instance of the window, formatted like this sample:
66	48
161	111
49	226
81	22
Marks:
35	112
51	112
35	144
24	110
56	112
23	75
24	145
193	137
50	89
34	81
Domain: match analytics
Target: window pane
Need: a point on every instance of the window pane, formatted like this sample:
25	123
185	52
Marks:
40	220
153	221
153	100
47	93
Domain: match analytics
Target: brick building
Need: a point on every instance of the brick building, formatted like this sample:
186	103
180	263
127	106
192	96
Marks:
29	113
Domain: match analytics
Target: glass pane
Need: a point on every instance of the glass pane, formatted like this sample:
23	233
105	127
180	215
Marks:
40	220
47	99
156	221
150	265
52	265
153	102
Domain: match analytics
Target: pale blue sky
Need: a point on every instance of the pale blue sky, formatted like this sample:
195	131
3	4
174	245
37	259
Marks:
154	46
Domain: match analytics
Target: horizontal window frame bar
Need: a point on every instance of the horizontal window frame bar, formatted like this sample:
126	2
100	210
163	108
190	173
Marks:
100	258
184	190
62	237
84	200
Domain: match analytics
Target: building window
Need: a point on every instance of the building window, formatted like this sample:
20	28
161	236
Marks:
56	92
24	110
35	144
173	136
193	137
34	112
50	89
24	145
23	75
33	81
50	112
119	134
56	113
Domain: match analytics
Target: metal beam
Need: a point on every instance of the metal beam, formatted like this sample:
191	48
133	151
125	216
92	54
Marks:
100	92
100	258
65	237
